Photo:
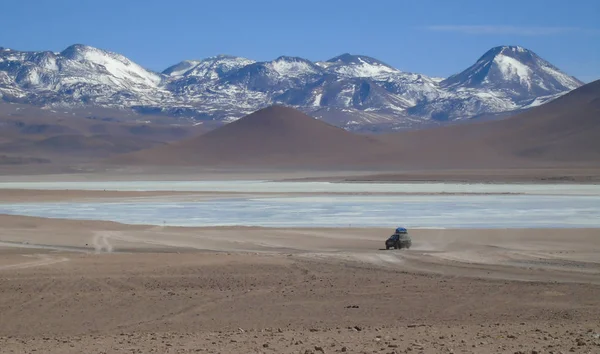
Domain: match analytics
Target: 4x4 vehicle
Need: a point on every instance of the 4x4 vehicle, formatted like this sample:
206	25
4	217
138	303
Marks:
400	239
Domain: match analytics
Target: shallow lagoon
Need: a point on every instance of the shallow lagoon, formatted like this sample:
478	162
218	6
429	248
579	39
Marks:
312	187
413	211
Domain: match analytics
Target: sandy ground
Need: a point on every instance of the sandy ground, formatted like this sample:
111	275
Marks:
102	287
158	173
28	195
521	175
161	173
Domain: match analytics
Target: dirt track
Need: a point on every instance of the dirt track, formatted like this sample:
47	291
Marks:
82	286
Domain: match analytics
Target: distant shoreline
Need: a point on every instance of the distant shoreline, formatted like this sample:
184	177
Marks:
583	175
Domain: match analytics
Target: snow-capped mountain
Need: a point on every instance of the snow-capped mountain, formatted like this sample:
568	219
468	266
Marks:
503	79
348	65
354	89
211	68
514	70
79	75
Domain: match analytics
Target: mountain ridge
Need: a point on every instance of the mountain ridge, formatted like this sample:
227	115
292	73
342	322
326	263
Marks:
360	89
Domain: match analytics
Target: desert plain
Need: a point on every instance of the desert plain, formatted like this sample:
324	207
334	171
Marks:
90	286
104	270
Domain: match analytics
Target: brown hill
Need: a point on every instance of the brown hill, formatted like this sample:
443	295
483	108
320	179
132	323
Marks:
79	146
29	134
19	160
567	129
276	136
561	133
23	121
92	146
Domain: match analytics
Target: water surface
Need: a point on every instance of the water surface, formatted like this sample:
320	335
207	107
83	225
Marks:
414	211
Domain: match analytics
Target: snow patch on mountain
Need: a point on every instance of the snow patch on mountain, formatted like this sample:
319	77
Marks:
209	68
363	69
289	66
565	80
538	101
347	65
513	69
317	101
181	68
116	64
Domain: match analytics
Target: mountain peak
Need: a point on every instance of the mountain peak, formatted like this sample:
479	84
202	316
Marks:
88	53
181	68
292	59
516	71
77	48
355	59
274	114
80	46
344	58
211	67
350	65
223	57
512	51
510	48
289	66
115	64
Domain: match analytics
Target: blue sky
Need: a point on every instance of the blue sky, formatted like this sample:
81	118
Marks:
437	38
